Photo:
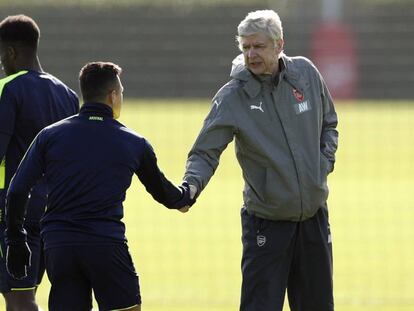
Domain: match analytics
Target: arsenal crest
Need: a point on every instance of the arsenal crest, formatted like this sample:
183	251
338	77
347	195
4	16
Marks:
261	240
298	95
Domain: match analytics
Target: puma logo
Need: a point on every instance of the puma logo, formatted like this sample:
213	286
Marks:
253	107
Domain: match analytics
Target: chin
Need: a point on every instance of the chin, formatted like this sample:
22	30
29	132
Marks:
257	71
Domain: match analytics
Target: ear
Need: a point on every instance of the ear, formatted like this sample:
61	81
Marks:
12	52
279	46
113	97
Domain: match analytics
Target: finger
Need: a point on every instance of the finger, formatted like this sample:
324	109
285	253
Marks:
18	274
29	259
184	209
193	191
23	273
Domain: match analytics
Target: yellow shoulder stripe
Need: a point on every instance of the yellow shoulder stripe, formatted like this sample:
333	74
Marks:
7	79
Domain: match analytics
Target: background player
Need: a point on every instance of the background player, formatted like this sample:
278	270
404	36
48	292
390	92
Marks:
30	99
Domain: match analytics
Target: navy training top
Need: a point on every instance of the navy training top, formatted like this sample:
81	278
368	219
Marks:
88	161
29	101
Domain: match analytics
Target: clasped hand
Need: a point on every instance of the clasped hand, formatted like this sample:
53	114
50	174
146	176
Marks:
193	192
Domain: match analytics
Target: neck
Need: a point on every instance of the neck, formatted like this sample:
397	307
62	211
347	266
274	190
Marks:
276	68
29	63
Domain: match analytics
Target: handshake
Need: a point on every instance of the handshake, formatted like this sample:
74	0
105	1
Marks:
188	197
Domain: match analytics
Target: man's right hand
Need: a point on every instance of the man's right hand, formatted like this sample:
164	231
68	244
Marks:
18	259
184	209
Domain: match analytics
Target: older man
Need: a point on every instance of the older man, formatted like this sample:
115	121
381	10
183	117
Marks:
281	115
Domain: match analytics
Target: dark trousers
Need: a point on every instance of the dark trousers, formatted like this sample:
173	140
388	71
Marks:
75	270
284	255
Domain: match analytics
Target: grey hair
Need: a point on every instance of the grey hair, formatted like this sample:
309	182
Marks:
262	21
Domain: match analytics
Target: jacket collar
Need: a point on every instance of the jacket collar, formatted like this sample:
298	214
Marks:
253	85
98	109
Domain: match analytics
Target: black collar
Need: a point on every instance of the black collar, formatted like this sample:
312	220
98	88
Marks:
96	109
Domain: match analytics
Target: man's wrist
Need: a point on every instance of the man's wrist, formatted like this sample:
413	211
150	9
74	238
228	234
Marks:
15	237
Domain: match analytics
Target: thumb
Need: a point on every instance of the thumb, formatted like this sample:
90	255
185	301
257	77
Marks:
28	258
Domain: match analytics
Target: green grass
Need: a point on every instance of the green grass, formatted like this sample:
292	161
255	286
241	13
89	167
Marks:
190	262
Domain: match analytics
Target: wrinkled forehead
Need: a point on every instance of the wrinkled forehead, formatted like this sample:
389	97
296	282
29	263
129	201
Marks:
254	39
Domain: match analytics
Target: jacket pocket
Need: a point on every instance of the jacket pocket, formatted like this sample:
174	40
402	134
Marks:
325	166
279	189
320	192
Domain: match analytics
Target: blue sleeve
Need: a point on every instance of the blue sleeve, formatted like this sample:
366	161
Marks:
31	168
8	112
161	189
4	142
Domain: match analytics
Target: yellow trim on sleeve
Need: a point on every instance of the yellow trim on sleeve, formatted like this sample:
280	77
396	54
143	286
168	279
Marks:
128	308
7	79
22	289
2	173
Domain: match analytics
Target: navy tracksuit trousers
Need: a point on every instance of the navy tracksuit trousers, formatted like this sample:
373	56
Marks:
285	255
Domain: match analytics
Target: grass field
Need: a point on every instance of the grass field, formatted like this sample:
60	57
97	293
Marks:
190	262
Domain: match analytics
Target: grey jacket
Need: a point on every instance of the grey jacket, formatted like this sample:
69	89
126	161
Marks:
285	139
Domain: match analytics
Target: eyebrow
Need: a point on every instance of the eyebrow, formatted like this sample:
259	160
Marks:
254	44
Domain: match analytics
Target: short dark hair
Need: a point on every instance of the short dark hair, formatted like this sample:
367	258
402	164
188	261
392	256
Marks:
97	79
20	29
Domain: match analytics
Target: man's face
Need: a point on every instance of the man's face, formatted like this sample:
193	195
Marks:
261	53
6	59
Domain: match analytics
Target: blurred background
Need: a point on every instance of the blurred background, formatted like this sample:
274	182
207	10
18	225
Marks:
175	56
183	48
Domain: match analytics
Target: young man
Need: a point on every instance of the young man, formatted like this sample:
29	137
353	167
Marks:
88	161
281	114
30	99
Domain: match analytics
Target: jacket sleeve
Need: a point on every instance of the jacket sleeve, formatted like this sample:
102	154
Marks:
161	189
8	111
217	132
4	142
30	169
329	135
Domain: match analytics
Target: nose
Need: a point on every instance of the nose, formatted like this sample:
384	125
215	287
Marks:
251	53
